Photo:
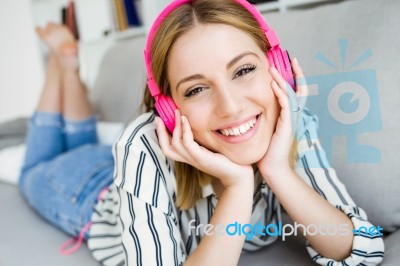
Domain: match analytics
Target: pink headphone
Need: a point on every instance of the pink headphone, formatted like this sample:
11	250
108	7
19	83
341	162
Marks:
165	106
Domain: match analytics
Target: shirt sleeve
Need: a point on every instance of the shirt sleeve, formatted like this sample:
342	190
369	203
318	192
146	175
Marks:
314	168
146	188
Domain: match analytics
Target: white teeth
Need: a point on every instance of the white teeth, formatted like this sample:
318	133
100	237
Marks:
243	129
239	130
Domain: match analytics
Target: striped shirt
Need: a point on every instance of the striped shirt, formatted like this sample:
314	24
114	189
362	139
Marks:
138	223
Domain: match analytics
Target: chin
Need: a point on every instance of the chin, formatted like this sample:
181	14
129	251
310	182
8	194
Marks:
248	156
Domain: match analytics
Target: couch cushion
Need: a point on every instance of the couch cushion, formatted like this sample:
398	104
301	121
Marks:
392	249
26	239
118	90
12	132
369	30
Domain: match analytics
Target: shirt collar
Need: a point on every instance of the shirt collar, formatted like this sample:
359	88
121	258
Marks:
208	190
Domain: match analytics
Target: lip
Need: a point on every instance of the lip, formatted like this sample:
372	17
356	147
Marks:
238	123
237	139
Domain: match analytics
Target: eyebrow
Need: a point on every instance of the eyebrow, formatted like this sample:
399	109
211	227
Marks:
237	58
229	65
190	78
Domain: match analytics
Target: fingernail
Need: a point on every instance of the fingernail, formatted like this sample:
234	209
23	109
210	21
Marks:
177	113
295	61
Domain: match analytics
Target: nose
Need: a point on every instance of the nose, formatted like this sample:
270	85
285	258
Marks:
227	101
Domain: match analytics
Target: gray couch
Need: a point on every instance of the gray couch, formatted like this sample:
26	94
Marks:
372	177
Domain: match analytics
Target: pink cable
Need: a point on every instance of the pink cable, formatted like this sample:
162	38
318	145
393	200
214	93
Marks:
78	241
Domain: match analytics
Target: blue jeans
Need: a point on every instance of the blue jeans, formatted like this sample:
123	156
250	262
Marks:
64	170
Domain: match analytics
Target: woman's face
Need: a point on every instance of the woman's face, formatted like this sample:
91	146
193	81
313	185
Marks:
219	79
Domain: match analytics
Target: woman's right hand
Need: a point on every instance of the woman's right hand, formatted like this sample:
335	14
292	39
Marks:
183	148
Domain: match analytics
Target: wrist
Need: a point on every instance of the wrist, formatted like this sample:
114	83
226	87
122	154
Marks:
244	180
241	191
277	174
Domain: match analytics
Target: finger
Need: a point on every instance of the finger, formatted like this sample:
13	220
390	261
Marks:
287	114
177	135
286	88
177	141
164	140
163	137
204	159
301	82
281	95
277	77
188	140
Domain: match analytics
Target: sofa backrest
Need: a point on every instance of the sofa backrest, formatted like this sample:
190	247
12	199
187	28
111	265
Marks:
117	92
347	50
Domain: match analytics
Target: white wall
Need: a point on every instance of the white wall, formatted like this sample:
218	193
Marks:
21	53
151	9
21	67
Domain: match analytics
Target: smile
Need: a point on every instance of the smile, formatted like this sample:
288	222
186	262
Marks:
238	133
239	130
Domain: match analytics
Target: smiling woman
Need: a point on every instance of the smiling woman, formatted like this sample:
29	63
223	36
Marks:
233	91
226	144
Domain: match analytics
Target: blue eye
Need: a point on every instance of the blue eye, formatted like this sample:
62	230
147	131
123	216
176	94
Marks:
192	92
243	70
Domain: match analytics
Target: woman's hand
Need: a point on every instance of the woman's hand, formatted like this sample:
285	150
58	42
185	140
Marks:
276	160
182	147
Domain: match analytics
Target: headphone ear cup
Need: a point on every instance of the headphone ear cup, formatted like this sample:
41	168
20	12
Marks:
288	73
273	60
166	107
280	59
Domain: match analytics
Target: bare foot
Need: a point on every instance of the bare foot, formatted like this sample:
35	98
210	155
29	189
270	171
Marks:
62	43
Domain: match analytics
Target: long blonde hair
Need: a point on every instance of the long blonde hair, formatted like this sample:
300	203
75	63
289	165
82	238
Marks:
189	179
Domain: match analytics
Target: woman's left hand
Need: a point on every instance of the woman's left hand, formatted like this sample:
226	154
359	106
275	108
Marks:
276	160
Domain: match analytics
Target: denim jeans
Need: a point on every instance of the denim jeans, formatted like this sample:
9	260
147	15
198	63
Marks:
64	170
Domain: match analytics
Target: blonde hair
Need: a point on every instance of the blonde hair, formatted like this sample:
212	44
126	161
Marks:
189	179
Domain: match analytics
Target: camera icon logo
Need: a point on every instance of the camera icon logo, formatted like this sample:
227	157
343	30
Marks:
347	104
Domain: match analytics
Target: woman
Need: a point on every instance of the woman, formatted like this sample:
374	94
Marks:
231	156
230	160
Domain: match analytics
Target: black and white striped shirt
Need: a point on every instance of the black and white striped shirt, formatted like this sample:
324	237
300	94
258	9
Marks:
137	222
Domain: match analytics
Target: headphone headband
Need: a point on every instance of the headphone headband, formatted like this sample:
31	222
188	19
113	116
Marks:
153	87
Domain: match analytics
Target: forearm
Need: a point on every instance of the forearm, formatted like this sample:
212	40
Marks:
305	206
235	205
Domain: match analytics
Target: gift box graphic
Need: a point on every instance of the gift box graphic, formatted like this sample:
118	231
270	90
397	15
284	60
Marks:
347	103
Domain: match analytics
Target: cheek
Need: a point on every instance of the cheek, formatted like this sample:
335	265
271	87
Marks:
198	122
263	94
